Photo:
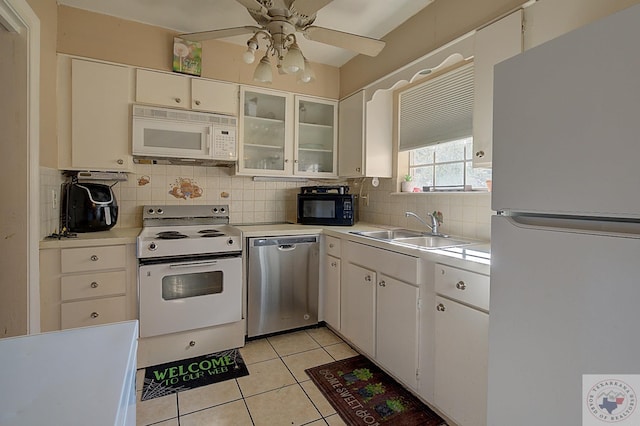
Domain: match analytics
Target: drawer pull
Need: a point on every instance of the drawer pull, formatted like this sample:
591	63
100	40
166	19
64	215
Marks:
94	258
334	264
94	285
460	285
94	315
178	100
197	102
192	343
440	307
331	245
120	161
367	278
382	283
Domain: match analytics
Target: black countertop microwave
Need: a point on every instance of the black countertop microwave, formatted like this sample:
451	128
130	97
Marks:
326	205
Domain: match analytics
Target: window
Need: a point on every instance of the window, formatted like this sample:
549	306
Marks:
447	165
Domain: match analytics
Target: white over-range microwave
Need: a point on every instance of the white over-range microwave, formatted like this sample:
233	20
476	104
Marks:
164	132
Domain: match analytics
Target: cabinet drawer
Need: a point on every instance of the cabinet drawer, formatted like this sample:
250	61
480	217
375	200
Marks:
332	246
93	258
93	285
400	266
94	312
468	287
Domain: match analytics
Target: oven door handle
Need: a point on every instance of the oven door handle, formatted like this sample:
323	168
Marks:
193	264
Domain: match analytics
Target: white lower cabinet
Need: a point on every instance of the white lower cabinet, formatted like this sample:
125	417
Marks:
461	345
379	306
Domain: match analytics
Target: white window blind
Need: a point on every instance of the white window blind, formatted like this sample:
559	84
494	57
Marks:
439	110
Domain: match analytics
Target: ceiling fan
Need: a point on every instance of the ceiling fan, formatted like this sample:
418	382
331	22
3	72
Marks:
278	21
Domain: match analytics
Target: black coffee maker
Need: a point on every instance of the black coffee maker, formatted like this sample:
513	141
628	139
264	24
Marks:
88	207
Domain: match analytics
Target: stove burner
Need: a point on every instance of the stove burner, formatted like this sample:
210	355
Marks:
170	235
208	233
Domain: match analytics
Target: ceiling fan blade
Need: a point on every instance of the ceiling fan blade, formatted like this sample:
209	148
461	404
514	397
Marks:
308	7
227	32
253	5
365	45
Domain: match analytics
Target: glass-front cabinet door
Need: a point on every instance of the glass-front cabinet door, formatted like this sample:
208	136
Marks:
316	137
266	133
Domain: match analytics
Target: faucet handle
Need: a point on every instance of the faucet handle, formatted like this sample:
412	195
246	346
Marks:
437	216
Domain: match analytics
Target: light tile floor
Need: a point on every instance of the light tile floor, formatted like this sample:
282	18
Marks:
277	391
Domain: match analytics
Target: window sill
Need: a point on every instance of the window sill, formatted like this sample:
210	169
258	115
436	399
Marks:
477	191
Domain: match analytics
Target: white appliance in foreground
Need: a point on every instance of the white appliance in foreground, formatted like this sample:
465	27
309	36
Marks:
565	268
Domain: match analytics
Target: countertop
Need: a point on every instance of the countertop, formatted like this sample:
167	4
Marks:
82	376
104	238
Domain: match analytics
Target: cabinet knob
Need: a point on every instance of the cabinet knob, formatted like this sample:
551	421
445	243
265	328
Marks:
192	343
286	160
367	278
94	285
120	161
331	245
197	102
480	154
334	264
460	285
440	308
94	315
295	161
382	283
178	100
358	169
94	258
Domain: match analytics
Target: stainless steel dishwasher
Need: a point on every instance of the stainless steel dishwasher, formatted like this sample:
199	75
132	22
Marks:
283	279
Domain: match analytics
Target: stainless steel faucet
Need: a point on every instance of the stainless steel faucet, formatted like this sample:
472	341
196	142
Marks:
434	223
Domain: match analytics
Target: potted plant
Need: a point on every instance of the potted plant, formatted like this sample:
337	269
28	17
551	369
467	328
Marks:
407	185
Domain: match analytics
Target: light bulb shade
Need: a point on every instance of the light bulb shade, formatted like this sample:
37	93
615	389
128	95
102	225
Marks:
306	75
263	72
249	56
293	60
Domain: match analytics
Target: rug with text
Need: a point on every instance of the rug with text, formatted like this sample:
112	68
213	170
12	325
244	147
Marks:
362	394
178	376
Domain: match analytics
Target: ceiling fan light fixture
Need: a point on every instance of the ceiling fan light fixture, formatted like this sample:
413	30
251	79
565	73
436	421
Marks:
293	60
307	75
249	56
263	72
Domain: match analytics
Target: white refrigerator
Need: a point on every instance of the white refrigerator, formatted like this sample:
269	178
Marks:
565	267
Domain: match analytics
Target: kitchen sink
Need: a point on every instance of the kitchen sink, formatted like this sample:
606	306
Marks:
390	234
413	238
432	241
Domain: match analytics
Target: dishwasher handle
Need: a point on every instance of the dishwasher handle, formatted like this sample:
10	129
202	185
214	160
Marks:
287	247
285	242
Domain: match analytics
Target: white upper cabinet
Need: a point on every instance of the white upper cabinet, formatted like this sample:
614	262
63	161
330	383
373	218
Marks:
179	91
365	135
495	43
99	126
282	134
316	137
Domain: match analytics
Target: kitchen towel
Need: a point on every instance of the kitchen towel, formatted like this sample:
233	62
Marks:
362	394
178	376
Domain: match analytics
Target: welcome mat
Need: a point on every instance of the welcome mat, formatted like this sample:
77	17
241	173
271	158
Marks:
362	394
178	376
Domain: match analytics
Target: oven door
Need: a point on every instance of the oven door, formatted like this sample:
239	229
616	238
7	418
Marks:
186	295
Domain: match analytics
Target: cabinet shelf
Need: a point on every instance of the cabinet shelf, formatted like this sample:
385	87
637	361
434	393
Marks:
315	150
263	119
259	146
317	126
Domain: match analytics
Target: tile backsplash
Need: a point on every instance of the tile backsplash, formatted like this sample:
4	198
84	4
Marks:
465	214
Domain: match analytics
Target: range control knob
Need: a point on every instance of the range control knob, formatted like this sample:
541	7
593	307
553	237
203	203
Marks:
215	210
222	210
230	242
160	211
151	211
153	246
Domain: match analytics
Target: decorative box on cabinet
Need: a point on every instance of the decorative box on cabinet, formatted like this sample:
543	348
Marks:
461	344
